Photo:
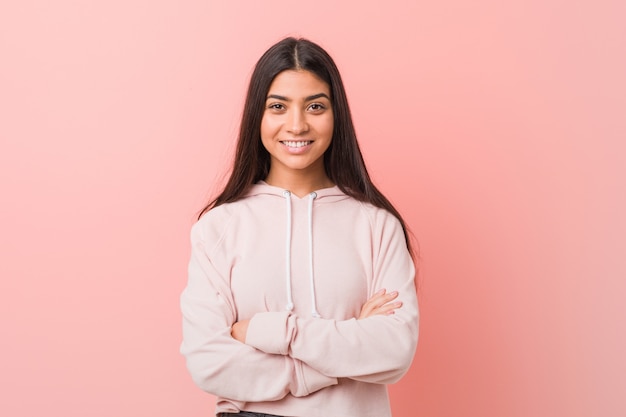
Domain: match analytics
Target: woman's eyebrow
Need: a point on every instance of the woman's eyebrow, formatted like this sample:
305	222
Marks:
316	96
309	98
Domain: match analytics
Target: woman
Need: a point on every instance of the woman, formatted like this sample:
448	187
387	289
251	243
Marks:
301	298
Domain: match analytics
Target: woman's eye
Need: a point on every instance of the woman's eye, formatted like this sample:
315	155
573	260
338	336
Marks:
316	107
276	106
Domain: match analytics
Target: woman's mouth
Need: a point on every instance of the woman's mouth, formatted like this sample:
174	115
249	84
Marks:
296	144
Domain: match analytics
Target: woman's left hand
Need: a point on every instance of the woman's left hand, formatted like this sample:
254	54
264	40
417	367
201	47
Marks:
380	304
239	330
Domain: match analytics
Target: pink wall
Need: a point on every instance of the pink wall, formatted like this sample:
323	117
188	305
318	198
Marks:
498	128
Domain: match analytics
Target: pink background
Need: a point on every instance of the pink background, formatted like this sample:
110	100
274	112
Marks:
497	127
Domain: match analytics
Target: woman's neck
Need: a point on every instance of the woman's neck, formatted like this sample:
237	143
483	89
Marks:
299	185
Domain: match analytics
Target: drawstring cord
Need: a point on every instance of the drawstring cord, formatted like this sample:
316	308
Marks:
290	305
314	312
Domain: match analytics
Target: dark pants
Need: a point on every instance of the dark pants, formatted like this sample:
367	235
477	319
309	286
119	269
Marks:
246	414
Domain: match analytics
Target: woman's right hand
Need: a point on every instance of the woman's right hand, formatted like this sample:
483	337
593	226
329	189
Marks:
380	303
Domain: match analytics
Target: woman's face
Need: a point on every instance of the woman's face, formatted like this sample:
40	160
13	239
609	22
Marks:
297	124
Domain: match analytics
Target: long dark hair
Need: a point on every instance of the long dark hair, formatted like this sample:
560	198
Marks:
343	160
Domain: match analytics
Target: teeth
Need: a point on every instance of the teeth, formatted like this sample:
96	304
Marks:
298	144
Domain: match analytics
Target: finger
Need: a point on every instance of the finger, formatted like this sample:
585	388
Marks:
389	308
380	299
372	309
380	295
373	301
384	309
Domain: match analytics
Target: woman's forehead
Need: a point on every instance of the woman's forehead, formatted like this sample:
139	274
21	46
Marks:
298	84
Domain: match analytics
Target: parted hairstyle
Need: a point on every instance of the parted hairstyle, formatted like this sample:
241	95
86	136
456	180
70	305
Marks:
343	160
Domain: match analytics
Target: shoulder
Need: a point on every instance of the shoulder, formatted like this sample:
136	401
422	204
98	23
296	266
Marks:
378	217
211	228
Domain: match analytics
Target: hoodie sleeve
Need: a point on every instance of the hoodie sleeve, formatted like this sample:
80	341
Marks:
378	349
220	364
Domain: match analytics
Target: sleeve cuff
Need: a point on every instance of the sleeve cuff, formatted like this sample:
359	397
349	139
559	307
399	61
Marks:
269	332
312	379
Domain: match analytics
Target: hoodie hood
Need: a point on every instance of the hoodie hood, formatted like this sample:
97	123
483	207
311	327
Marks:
324	195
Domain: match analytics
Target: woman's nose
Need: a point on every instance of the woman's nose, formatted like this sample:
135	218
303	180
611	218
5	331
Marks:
296	122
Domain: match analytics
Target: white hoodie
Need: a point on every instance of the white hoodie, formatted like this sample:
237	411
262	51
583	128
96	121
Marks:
300	269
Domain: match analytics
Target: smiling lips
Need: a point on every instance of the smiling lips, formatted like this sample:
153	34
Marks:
296	147
296	144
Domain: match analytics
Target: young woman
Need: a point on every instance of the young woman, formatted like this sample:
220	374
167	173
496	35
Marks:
301	298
